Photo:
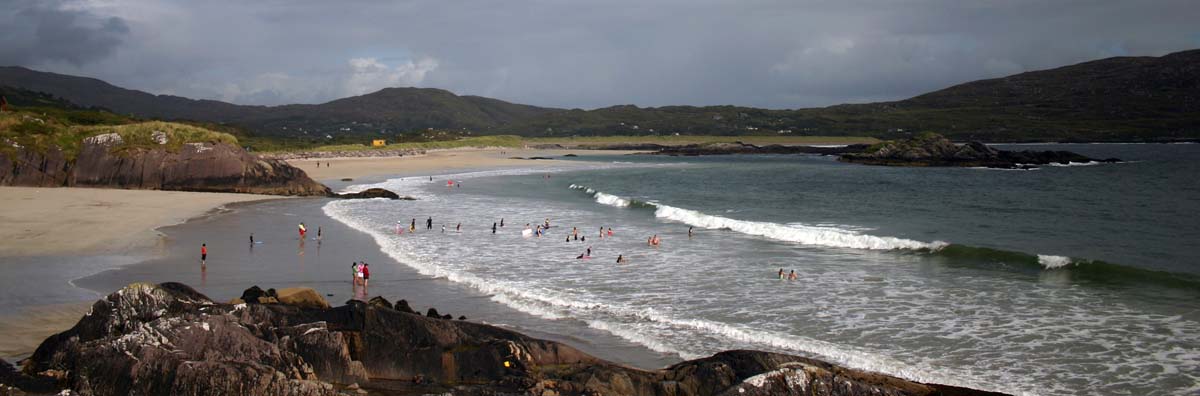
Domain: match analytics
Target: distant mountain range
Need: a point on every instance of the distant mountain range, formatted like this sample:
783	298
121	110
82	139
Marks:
1113	99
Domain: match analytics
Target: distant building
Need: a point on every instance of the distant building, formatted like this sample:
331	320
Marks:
378	143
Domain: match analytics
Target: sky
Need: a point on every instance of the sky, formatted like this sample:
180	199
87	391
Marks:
583	53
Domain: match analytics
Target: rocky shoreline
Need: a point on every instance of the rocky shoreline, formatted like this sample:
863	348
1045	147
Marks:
935	150
170	339
205	167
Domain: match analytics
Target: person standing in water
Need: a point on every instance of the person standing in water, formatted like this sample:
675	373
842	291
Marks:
412	227
792	276
354	273
366	275
689	232
458	228
318	233
251	238
203	255
429	223
493	228
610	232
501	222
781	274
443	228
601	232
620	259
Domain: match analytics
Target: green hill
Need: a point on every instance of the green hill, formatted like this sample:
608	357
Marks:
1114	99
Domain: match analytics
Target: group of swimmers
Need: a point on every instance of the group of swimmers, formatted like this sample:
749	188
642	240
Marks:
791	276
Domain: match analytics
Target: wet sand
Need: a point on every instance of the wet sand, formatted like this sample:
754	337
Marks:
54	221
283	260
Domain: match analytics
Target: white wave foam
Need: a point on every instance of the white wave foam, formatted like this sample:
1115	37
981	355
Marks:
1089	163
611	200
808	235
1052	262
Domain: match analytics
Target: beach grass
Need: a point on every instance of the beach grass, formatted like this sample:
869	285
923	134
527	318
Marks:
40	131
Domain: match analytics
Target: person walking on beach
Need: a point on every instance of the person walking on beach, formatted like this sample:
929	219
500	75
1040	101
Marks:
203	255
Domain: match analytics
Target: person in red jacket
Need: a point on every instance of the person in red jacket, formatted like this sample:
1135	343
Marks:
366	270
203	255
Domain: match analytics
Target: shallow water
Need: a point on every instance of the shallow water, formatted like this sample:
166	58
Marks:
1063	280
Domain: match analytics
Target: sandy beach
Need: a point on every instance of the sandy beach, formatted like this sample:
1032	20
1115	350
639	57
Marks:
434	161
59	221
51	234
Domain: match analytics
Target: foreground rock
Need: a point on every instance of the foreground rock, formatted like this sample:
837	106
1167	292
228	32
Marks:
935	150
169	339
210	167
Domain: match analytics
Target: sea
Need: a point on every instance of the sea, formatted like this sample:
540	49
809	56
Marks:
1078	279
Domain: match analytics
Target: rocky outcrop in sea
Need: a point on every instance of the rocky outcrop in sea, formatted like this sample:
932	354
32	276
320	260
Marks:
169	339
935	150
209	167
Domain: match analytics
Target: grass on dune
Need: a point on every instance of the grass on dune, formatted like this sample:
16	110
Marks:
40	131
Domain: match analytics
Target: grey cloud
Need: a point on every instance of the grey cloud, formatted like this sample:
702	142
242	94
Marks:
43	31
776	54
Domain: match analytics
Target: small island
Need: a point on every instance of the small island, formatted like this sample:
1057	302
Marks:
931	149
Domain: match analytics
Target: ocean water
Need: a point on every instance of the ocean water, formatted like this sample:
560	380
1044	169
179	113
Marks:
1062	280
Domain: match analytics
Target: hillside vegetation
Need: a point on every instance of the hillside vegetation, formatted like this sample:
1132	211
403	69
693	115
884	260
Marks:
1114	99
41	129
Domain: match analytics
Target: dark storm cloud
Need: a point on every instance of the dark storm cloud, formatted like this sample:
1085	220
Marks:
778	54
32	32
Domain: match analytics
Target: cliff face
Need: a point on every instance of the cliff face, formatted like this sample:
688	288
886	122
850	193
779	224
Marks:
211	167
169	339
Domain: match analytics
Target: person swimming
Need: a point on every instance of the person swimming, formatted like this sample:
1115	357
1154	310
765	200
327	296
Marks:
689	232
792	276
610	232
781	274
493	227
620	259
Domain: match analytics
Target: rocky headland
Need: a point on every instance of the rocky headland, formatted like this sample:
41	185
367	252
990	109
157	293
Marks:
935	150
170	339
712	148
106	161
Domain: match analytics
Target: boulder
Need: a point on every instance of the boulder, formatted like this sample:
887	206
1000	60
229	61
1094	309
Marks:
302	297
379	301
370	193
402	306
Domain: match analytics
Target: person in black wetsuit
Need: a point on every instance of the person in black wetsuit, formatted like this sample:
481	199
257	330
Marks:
429	223
493	228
